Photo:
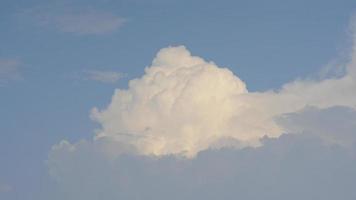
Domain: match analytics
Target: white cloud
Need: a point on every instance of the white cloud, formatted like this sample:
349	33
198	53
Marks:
76	21
164	136
183	105
293	166
103	76
9	71
334	125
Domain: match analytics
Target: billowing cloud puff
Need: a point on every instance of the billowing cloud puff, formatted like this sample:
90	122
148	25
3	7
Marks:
184	104
165	137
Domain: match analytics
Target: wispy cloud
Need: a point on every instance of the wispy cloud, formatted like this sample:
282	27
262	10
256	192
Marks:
9	70
4	188
103	76
91	22
76	21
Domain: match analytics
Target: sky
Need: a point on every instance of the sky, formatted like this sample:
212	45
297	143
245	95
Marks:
168	99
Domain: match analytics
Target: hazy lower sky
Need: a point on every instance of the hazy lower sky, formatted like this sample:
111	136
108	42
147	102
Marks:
177	99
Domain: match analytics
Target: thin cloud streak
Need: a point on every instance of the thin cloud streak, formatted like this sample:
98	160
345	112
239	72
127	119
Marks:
87	23
75	21
103	76
5	188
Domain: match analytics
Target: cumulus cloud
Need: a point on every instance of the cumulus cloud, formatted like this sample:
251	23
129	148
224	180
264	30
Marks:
103	76
169	136
9	71
184	104
76	21
181	105
293	166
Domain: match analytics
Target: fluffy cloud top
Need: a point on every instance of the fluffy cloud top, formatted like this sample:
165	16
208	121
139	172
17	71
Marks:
184	104
165	136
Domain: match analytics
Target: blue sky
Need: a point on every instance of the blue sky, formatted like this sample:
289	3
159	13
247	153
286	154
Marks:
59	59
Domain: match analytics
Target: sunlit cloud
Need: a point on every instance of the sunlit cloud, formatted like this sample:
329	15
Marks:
184	104
190	129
